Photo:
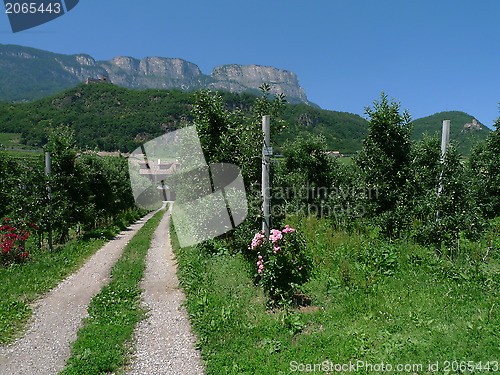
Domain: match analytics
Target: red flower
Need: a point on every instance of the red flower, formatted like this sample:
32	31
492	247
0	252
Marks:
12	240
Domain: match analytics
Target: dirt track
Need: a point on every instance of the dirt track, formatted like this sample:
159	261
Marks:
45	347
164	342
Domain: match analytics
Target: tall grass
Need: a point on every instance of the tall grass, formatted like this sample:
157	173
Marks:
372	300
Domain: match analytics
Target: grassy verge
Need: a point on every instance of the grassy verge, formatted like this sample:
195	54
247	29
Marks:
25	155
372	301
21	284
102	343
10	139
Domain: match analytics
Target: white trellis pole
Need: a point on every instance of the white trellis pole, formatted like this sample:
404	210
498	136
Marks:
445	139
266	166
48	162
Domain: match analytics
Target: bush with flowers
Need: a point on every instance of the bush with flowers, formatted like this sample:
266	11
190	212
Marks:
282	264
13	238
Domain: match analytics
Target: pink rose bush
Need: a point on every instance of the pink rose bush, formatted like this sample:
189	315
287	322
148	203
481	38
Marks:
275	235
282	264
257	240
12	242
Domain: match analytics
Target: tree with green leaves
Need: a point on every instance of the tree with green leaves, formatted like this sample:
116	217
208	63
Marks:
86	189
5	171
233	136
422	183
484	169
385	155
303	176
453	213
69	197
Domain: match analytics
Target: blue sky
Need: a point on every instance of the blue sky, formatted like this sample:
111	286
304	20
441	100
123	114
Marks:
431	56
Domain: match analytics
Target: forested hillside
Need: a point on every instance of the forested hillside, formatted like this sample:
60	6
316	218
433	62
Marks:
462	130
110	118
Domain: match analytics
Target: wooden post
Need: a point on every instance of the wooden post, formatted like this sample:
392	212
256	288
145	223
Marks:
48	162
266	165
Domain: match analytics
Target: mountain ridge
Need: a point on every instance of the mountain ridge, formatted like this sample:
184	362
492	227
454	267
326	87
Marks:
55	72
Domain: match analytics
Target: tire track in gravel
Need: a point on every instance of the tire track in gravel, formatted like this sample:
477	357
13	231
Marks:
164	342
57	317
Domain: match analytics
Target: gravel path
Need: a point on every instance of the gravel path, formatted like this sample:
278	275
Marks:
45	347
164	342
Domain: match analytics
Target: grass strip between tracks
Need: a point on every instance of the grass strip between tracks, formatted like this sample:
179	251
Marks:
103	342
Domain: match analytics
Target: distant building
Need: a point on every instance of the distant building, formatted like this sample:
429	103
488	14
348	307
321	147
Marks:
100	79
474	125
159	173
158	170
335	154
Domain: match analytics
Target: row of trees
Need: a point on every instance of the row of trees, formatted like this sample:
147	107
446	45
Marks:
393	182
84	191
390	187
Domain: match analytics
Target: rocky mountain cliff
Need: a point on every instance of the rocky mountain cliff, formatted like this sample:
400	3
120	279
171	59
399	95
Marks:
237	78
28	74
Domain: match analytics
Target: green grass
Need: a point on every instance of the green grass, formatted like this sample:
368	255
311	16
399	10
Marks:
21	284
25	157
24	154
103	342
346	160
372	301
10	140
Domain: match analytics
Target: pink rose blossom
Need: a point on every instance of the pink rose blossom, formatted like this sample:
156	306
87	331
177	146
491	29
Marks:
276	235
288	229
257	241
260	265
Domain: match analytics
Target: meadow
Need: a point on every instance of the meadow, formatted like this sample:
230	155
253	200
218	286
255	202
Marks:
370	301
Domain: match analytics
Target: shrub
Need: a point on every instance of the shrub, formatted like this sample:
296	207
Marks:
484	170
12	242
282	264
